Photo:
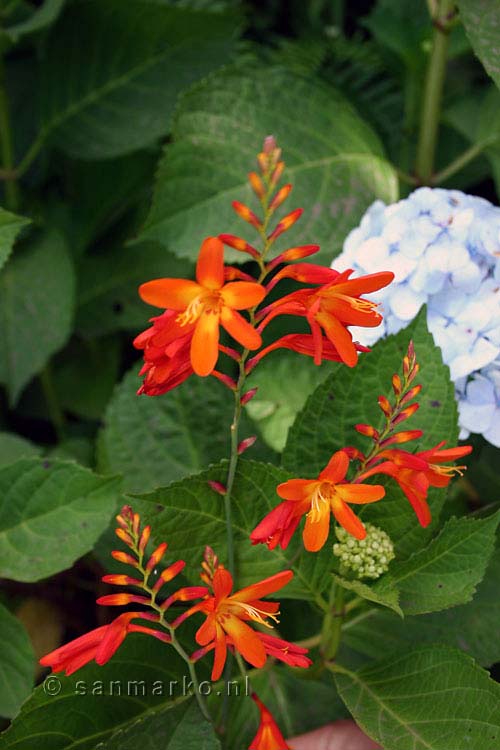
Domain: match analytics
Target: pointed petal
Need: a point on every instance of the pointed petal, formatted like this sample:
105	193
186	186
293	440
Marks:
336	469
174	293
246	641
210	265
348	520
360	493
296	489
220	653
222	583
340	338
241	295
205	343
372	282
240	329
207	631
264	587
316	531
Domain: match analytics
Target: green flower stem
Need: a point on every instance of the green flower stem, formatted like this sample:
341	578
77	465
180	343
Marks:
332	623
433	90
12	194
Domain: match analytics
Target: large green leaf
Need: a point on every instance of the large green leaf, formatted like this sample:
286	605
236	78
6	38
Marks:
10	226
36	309
189	515
333	158
107	297
51	513
481	19
349	396
428	699
446	572
17	664
124	65
152	440
472	627
13	447
144	680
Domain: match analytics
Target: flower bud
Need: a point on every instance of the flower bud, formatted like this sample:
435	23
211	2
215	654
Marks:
366	558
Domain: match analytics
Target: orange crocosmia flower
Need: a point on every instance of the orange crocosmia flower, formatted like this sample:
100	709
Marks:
228	614
416	472
268	735
317	498
167	358
99	644
331	307
206	303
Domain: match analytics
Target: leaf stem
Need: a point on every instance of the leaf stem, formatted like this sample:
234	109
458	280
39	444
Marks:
461	161
12	194
433	91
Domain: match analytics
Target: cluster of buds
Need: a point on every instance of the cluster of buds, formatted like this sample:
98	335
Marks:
366	558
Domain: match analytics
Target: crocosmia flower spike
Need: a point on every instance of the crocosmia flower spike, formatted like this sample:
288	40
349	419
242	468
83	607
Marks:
268	736
202	306
226	625
317	499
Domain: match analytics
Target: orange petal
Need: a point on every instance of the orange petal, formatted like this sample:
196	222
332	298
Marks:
296	489
222	583
246	641
240	329
360	493
174	293
316	532
220	653
336	469
340	338
263	588
241	295
210	265
207	631
348	519
205	343
364	284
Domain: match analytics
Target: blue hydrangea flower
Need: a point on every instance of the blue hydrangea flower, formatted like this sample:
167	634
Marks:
444	249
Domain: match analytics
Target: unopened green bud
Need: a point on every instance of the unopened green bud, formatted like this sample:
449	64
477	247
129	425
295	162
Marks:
368	557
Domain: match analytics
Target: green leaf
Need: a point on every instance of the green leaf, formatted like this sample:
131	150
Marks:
36	309
481	19
103	704
51	513
333	158
384	592
17	664
39	20
13	447
446	572
189	515
272	409
349	396
116	92
108	299
153	440
472	627
10	226
429	699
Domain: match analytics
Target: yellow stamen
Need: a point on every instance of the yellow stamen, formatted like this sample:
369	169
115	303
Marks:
258	614
320	497
191	313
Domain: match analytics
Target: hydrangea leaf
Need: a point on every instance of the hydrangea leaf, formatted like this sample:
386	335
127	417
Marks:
188	514
17	664
142	686
481	19
51	513
383	592
446	572
116	91
349	396
152	441
473	627
433	698
333	158
36	309
13	447
10	226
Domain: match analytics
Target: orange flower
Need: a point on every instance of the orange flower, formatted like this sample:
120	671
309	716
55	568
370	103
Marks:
331	307
268	736
416	472
99	644
317	498
206	303
227	615
167	361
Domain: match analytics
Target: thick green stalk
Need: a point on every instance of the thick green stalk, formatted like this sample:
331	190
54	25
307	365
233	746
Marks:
12	195
332	623
433	91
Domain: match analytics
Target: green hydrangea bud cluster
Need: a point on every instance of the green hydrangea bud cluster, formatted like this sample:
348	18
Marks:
368	557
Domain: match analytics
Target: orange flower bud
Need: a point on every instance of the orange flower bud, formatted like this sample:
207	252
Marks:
276	176
402	437
256	184
397	385
246	444
146	533
280	197
367	430
124	558
385	405
156	556
246	214
121	580
405	414
285	223
217	486
124	536
248	396
239	244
